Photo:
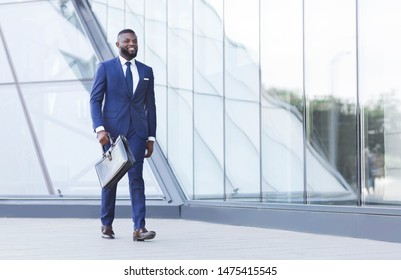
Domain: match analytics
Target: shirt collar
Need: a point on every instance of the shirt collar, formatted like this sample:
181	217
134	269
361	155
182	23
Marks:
123	61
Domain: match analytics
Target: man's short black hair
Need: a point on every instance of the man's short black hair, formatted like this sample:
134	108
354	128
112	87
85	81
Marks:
125	31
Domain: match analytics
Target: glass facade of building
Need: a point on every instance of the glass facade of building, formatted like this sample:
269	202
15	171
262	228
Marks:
259	101
47	66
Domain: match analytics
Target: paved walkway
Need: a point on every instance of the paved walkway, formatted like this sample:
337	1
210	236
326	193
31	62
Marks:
79	239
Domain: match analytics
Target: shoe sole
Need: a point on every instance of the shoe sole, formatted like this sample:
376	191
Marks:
107	236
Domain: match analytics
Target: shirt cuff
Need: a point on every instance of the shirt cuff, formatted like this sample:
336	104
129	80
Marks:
151	138
99	128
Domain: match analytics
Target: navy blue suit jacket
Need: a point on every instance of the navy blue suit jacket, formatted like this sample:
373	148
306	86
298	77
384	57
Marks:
114	107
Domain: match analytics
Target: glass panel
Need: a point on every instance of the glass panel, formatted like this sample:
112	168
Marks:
282	109
56	51
61	118
208	49
208	103
242	49
180	66
242	150
330	86
114	21
134	19
242	119
208	71
380	95
156	39
180	131
22	174
180	97
208	147
152	188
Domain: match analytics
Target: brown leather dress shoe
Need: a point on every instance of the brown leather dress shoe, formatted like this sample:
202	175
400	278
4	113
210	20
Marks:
143	234
107	232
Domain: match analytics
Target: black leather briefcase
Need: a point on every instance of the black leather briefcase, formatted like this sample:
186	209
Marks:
115	162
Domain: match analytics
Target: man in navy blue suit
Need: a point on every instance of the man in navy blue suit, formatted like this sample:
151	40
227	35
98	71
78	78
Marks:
122	102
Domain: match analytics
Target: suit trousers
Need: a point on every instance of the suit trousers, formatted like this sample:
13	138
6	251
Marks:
136	187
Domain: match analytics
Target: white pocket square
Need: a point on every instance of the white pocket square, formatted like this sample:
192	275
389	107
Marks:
146	79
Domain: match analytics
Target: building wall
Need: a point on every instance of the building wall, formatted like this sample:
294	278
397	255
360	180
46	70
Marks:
273	101
270	101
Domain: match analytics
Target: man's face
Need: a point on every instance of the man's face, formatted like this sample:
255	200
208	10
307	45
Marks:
128	45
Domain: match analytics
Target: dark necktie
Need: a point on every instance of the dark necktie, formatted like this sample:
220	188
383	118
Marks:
128	77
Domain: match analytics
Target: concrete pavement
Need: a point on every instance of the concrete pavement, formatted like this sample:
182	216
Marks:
177	239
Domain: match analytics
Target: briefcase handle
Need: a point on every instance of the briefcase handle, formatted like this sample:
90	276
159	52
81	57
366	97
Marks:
108	152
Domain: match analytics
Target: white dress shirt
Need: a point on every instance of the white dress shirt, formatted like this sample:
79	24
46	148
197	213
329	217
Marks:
134	70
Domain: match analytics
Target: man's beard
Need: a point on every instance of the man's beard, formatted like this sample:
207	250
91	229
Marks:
128	54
